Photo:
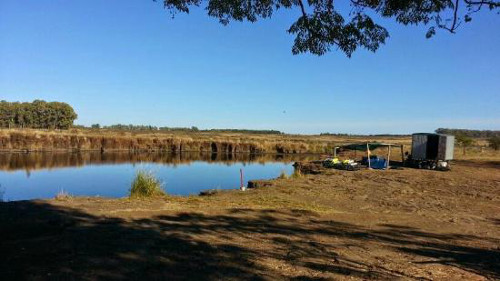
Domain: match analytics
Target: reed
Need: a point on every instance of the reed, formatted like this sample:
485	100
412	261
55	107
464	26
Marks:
146	185
63	195
283	175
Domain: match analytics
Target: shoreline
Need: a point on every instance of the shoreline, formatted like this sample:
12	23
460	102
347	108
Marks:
337	225
71	150
29	140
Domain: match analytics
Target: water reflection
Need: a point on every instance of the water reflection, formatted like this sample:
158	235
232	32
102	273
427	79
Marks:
37	161
43	175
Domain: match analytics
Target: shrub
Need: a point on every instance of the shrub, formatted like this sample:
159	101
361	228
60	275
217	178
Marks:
464	141
494	142
297	174
283	175
146	185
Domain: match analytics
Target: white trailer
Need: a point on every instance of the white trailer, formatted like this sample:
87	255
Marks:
431	151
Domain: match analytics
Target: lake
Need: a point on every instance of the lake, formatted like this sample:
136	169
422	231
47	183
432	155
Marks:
42	175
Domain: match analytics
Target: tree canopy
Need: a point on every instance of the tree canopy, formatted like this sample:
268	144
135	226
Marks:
494	142
321	25
469	133
38	114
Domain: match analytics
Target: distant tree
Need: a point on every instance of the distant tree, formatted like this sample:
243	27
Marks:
38	114
130	127
469	133
322	26
494	142
245	131
464	141
95	126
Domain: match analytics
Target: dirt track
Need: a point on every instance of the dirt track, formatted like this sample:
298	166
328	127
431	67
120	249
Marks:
388	225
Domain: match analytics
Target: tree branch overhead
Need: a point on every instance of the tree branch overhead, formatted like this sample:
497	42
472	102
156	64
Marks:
321	27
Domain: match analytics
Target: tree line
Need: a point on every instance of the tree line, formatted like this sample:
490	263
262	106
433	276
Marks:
469	133
245	131
130	127
361	135
38	114
465	138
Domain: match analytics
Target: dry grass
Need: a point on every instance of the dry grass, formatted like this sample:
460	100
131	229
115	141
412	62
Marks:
296	174
63	195
74	139
83	140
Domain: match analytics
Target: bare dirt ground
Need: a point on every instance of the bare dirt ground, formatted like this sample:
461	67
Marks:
366	225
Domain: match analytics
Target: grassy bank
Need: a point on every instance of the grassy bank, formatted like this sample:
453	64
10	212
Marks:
75	139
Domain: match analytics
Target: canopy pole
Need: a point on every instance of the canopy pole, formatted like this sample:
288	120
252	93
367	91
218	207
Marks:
388	157
402	156
368	154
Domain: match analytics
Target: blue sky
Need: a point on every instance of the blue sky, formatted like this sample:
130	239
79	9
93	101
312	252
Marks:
130	62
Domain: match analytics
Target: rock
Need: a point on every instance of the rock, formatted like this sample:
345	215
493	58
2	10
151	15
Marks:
312	168
259	183
209	192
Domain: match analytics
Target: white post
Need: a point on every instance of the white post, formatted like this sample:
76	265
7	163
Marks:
242	186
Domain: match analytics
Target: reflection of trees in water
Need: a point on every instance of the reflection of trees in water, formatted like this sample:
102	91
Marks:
34	161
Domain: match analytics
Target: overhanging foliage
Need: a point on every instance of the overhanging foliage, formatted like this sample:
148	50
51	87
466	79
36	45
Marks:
321	26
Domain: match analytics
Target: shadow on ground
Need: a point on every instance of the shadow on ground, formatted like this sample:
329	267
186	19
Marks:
43	242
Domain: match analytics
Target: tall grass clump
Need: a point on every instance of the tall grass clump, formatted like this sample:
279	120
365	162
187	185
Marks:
283	175
63	195
297	174
146	185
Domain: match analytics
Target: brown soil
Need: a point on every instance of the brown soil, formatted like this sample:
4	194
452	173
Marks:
387	225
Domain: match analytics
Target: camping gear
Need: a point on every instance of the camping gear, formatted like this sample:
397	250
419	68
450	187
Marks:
375	162
350	165
368	147
347	164
331	162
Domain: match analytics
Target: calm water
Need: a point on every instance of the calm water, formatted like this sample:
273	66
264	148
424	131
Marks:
43	175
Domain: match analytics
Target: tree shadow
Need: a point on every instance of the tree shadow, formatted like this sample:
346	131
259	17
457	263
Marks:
495	221
40	241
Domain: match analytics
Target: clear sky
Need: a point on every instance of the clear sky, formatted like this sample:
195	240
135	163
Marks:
128	61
